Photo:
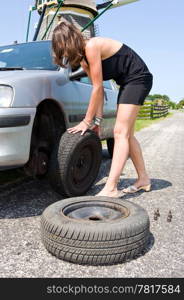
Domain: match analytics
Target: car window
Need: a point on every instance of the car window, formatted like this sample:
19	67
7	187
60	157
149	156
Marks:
106	83
34	55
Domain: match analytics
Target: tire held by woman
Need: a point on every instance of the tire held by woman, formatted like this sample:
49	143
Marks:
75	163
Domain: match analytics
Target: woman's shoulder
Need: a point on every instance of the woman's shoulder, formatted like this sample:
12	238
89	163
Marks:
93	42
93	45
101	41
101	46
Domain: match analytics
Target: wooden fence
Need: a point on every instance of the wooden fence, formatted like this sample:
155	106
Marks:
150	111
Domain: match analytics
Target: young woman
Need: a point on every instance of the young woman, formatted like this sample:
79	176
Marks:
104	59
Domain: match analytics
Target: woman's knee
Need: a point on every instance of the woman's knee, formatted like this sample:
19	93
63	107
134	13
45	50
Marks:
124	126
122	132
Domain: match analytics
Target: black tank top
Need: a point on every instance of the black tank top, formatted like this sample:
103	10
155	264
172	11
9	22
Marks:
125	66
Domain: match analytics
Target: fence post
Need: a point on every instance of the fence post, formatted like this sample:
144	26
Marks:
151	111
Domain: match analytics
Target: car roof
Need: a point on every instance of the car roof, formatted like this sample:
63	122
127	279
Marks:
31	42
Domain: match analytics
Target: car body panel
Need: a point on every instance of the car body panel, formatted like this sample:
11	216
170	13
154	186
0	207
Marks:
32	87
15	141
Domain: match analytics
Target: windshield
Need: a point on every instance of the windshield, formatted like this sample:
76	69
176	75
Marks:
31	56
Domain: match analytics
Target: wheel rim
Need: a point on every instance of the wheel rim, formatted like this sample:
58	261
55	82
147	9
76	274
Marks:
95	211
82	165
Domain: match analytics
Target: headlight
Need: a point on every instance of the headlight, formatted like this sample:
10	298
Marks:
6	95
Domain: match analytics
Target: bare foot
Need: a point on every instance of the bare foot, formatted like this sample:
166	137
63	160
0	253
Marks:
114	194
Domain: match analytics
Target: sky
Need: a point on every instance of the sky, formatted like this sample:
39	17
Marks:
153	28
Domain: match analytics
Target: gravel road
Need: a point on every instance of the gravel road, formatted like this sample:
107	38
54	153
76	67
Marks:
22	253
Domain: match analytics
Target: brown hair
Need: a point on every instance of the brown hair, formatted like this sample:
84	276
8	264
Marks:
69	43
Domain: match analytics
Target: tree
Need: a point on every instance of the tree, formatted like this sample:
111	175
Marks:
180	104
158	96
159	99
172	105
166	98
155	96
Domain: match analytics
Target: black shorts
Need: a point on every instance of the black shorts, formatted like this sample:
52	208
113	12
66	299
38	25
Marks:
134	93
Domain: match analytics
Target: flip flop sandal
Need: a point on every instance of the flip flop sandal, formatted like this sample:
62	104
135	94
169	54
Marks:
134	189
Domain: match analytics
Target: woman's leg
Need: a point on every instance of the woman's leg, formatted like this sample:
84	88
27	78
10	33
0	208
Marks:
126	116
138	161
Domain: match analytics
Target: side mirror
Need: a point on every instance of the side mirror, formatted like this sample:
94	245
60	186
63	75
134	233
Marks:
79	73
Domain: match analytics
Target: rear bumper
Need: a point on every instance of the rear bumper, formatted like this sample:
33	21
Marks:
15	136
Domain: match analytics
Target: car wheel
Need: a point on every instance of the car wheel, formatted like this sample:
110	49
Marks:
95	231
75	163
110	146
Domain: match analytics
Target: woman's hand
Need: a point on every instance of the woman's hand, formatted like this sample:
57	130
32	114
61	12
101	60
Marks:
80	127
96	129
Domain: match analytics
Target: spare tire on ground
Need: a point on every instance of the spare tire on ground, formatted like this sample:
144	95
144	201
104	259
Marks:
75	163
95	230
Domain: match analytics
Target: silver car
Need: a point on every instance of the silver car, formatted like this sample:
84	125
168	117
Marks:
38	102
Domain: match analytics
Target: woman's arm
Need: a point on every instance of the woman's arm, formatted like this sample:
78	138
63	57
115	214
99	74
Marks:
99	112
94	71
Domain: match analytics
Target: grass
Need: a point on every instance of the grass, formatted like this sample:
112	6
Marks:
140	124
